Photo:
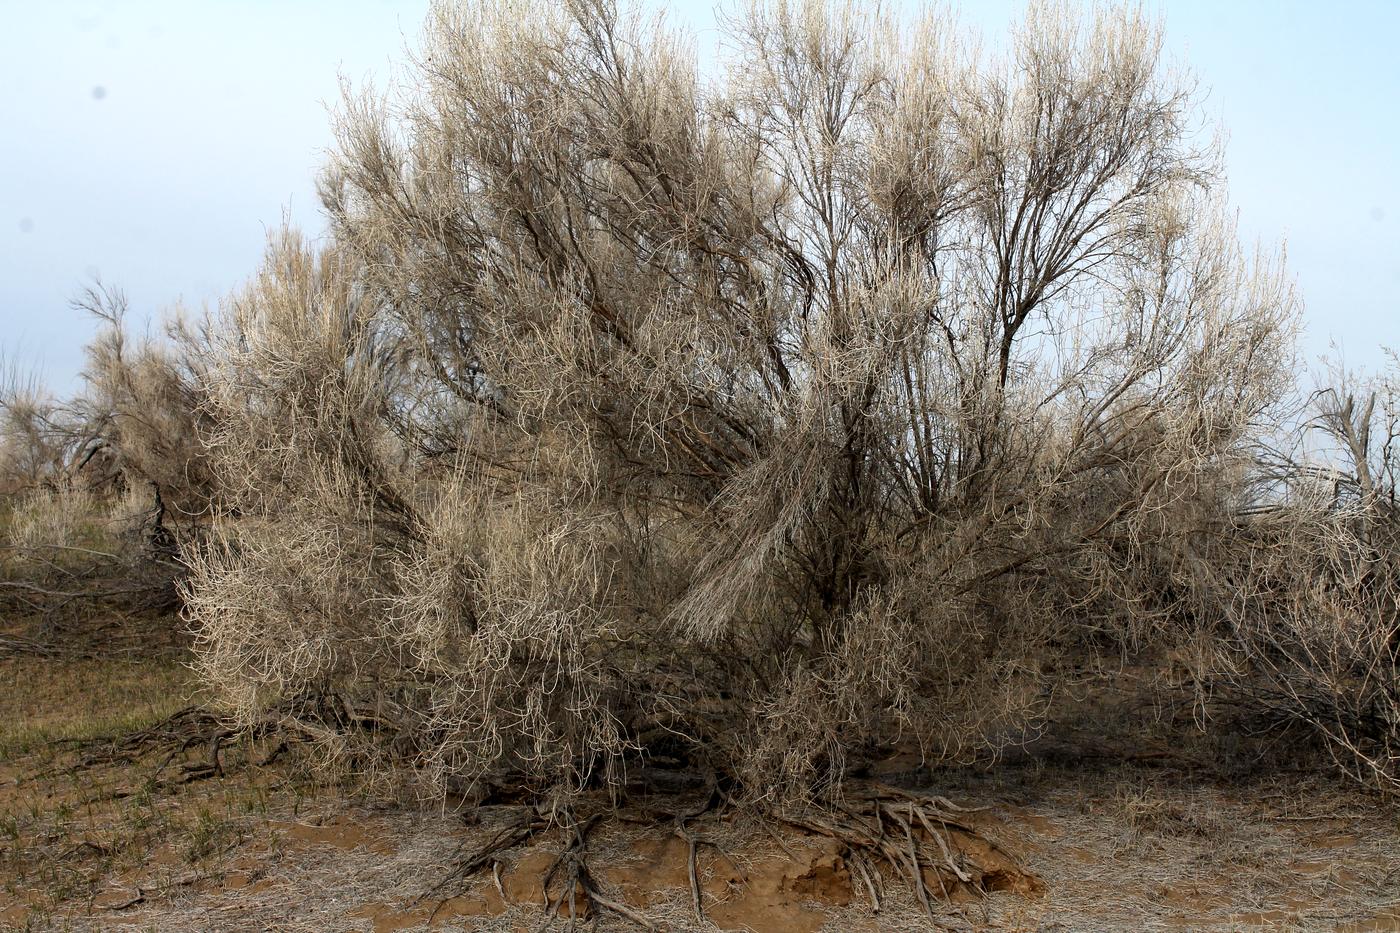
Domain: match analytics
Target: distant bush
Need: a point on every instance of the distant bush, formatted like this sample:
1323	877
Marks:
95	489
143	403
1313	589
37	438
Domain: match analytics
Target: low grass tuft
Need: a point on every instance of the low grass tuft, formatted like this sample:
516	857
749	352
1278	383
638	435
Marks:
83	699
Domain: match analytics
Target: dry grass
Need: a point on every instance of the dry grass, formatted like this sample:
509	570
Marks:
102	778
1136	848
48	521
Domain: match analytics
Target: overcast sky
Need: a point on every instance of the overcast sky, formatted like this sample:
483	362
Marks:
155	143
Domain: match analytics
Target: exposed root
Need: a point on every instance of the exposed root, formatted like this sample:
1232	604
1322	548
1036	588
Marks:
171	738
529	823
885	835
692	873
577	886
922	839
621	910
568	876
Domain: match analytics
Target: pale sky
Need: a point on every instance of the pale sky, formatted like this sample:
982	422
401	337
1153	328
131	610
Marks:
154	144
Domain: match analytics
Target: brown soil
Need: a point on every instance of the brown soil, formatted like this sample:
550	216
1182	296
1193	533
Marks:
1127	850
148	836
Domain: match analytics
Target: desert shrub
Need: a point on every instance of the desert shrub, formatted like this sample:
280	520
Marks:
1314	583
141	407
764	421
33	441
96	488
133	424
311	517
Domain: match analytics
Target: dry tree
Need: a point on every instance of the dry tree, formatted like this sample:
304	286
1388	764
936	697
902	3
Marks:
765	420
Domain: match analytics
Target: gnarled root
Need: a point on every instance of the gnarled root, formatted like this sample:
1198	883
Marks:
877	836
568	881
924	840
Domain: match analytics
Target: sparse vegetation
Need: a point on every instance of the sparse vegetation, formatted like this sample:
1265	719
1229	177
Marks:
82	700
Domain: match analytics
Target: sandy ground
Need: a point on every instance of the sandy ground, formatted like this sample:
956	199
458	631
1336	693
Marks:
1114	849
151	832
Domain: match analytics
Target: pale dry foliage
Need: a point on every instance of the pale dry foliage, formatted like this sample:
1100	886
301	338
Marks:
48	519
141	408
763	421
95	489
32	436
1314	582
132	430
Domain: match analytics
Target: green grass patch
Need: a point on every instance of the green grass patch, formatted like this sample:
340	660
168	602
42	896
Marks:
49	700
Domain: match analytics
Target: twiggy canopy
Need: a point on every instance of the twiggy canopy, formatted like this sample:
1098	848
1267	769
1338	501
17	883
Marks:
763	418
